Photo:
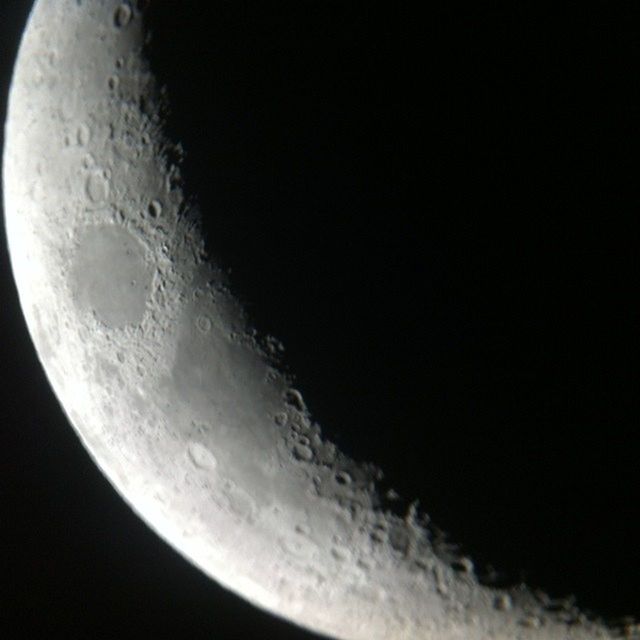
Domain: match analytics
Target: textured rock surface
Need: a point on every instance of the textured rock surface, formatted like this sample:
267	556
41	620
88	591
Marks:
176	398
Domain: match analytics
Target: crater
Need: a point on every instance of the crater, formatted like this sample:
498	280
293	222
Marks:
110	276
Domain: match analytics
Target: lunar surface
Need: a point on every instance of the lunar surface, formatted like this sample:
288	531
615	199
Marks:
179	401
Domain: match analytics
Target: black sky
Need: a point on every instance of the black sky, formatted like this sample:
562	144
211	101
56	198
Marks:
435	214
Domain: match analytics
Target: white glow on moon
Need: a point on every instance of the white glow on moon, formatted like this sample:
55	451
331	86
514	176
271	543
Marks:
168	388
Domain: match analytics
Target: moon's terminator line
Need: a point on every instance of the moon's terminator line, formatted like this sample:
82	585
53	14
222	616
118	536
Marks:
173	395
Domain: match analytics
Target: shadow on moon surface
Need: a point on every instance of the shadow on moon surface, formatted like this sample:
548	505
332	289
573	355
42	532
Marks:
395	203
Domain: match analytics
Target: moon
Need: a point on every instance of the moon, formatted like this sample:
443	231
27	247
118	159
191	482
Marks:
181	403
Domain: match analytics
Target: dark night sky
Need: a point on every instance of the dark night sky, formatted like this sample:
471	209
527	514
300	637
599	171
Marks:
434	213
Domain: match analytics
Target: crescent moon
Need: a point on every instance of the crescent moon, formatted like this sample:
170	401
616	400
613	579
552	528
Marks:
174	395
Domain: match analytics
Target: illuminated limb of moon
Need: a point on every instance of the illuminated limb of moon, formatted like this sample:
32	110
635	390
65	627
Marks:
176	399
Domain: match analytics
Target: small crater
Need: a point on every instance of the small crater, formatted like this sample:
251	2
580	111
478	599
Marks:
201	428
462	565
274	346
502	602
441	584
421	564
364	565
338	554
302	440
343	478
281	419
302	452
83	135
97	187
122	16
299	545
531	622
378	534
113	82
240	502
154	209
204	324
399	540
201	456
294	398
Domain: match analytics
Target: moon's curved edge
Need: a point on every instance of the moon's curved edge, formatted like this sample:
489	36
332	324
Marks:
172	393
